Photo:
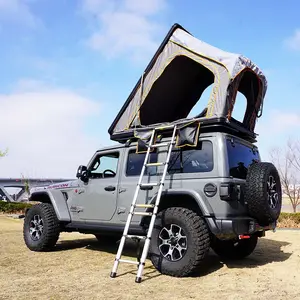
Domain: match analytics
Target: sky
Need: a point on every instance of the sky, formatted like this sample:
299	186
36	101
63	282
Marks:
67	67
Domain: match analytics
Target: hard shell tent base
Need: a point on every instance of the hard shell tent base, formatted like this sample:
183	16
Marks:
176	77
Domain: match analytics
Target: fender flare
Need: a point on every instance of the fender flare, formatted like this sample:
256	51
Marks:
58	201
199	200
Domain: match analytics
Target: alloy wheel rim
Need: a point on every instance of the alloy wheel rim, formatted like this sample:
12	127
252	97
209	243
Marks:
272	192
36	227
172	242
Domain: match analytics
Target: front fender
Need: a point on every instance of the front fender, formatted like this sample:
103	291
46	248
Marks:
57	199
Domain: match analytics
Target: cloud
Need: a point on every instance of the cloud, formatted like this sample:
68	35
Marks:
17	11
43	128
293	42
30	85
275	128
127	27
278	122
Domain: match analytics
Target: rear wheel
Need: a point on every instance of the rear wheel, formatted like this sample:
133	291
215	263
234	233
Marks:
41	227
234	249
179	243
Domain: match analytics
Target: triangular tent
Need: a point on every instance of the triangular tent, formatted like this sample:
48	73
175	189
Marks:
181	69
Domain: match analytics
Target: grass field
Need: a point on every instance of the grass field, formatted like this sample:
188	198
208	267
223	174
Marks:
79	268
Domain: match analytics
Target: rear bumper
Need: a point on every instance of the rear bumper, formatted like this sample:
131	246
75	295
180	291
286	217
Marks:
237	226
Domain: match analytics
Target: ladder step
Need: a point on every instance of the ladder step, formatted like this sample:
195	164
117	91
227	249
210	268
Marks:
127	261
150	184
155	164
141	237
139	213
145	205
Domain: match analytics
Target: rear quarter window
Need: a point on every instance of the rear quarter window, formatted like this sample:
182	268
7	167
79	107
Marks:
240	157
192	160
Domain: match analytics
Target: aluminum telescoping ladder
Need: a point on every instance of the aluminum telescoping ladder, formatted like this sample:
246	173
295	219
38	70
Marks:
134	205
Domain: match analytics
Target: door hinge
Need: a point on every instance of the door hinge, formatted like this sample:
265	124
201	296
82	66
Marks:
77	209
121	210
122	190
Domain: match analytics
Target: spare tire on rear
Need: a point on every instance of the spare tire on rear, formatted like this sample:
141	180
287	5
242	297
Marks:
263	192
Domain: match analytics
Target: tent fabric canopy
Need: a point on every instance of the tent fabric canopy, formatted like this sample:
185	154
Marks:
182	68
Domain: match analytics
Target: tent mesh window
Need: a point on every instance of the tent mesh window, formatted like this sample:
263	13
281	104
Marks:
247	84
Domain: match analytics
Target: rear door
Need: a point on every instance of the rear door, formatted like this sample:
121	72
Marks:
132	166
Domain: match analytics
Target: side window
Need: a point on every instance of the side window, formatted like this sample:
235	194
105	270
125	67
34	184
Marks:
192	160
135	163
240	157
105	165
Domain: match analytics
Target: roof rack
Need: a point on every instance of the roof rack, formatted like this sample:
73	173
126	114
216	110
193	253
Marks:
207	125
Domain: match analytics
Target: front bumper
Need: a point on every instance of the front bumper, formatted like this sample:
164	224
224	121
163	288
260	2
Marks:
237	226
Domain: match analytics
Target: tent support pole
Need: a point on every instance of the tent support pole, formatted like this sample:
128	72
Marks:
142	88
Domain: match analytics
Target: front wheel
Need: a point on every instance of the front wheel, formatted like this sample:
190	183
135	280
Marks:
234	249
179	243
41	227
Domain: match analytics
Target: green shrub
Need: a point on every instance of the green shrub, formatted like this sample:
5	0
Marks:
292	216
13	207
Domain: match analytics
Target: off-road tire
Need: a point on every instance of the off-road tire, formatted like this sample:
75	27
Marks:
197	241
256	193
51	227
234	249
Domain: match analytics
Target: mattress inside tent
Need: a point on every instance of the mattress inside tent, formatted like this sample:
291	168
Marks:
173	82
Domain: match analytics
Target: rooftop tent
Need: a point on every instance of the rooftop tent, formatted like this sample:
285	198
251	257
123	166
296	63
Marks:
173	82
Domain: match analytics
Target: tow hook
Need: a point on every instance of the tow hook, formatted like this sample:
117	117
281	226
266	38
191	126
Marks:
242	237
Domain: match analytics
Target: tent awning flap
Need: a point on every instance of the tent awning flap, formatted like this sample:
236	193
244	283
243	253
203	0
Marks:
176	77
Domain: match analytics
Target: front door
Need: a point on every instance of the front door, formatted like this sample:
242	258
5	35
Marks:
101	191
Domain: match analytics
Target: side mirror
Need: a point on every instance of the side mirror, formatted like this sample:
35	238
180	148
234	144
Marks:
82	173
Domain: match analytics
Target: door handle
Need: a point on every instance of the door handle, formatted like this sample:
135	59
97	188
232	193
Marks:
110	188
146	188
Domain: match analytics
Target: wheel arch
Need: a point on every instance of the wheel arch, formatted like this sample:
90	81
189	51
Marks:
188	199
58	201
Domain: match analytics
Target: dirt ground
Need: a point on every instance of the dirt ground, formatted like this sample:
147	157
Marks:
80	266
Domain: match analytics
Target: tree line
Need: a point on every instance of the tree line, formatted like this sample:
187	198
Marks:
287	162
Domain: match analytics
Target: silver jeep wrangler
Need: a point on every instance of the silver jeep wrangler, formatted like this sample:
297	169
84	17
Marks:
217	195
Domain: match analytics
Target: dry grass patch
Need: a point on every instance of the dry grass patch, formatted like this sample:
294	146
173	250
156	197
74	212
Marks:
289	220
79	268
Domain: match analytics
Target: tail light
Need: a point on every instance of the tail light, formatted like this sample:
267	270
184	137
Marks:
230	191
